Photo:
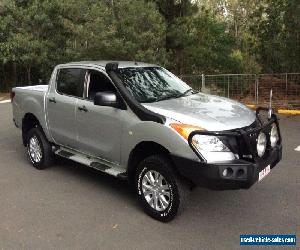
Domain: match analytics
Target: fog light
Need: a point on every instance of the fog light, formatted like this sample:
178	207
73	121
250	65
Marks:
240	173
261	144
274	137
227	172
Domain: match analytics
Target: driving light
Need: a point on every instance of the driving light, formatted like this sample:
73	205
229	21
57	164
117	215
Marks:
274	137
184	129
261	144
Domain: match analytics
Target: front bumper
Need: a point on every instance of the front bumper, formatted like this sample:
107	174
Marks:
244	173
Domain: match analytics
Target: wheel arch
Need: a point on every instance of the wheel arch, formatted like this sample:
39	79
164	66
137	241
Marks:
140	152
29	121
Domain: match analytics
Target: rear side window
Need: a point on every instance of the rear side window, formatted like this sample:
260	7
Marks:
70	82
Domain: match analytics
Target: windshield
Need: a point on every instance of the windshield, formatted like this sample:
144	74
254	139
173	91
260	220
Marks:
152	84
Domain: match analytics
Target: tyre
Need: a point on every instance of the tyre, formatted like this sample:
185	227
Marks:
159	190
38	148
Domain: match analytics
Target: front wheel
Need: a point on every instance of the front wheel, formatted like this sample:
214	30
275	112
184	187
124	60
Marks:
39	149
159	190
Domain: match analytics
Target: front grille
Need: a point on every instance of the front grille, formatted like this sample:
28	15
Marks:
242	142
254	125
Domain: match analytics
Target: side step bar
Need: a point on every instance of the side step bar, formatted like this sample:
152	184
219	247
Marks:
96	163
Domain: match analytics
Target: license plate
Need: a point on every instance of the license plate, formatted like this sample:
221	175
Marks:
262	174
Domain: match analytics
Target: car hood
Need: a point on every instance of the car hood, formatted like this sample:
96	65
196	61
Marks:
212	113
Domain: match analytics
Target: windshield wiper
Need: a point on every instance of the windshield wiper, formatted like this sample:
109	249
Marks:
177	95
188	91
149	100
167	97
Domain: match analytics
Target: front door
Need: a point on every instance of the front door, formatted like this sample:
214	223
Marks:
99	128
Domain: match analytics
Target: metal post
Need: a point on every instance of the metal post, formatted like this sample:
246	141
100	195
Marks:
242	82
256	89
286	87
203	82
228	87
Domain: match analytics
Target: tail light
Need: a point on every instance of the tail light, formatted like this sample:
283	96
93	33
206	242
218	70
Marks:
12	95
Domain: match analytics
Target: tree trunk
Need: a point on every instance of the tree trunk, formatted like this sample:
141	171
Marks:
171	10
3	79
28	68
15	78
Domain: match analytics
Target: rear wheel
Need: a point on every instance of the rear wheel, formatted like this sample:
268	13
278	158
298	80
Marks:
159	190
38	148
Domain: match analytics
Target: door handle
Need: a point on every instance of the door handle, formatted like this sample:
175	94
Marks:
83	108
52	100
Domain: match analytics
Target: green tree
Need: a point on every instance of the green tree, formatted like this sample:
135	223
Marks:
207	47
187	36
237	17
173	11
121	30
291	22
35	35
276	27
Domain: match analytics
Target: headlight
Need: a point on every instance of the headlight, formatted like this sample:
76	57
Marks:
209	143
261	144
274	137
211	148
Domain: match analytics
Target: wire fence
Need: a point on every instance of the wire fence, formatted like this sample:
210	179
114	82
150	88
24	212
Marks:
251	88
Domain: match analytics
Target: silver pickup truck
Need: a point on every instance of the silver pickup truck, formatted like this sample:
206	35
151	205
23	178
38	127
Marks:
139	122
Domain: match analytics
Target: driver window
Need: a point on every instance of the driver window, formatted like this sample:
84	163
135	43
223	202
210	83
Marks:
98	82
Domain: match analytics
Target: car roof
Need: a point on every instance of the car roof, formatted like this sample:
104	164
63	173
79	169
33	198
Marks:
122	64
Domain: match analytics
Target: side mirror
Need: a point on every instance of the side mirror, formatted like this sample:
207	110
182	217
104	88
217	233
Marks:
106	99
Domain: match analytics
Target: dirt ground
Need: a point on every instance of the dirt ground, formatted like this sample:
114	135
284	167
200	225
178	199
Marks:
4	96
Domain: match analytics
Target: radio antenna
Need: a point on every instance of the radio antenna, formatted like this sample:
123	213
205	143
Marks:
270	104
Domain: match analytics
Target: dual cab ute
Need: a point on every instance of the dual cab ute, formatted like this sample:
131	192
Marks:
139	122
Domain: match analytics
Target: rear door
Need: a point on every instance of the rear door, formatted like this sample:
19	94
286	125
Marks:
61	105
